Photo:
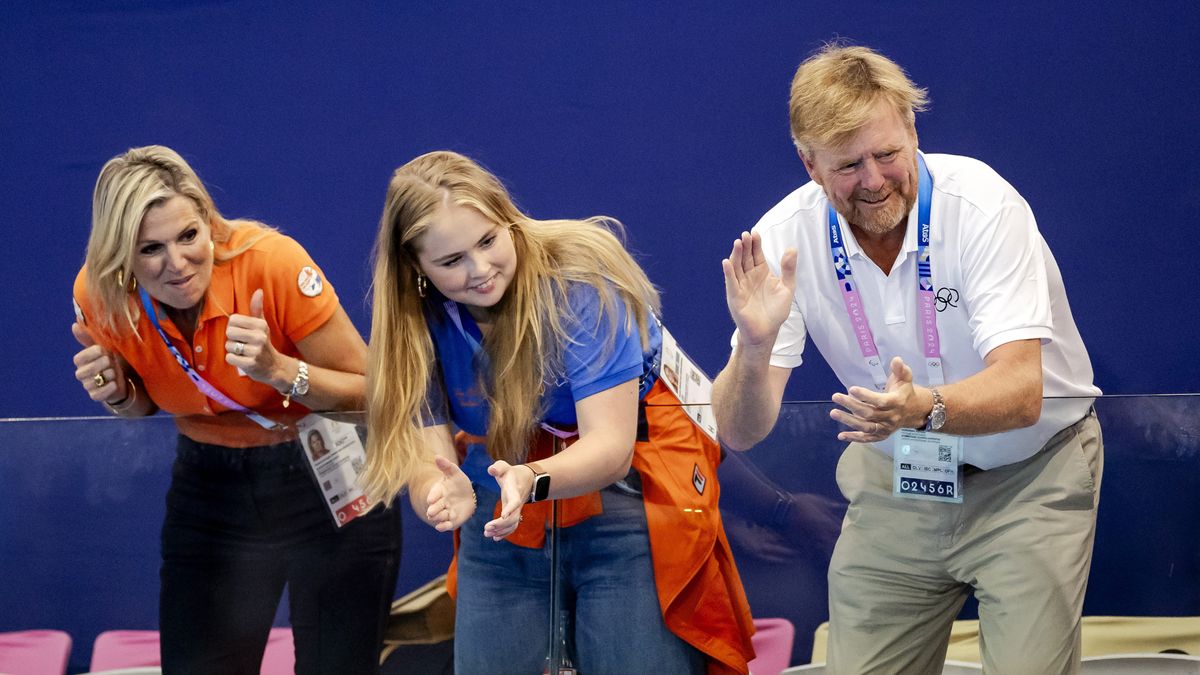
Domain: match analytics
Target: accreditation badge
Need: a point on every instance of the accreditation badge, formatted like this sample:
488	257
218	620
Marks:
927	465
337	458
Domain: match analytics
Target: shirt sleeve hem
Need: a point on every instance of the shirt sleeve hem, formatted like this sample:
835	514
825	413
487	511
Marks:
607	382
1042	333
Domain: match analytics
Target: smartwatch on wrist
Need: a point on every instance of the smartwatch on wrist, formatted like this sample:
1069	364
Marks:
541	483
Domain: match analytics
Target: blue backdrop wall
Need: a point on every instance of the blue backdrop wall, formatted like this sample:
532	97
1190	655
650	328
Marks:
670	116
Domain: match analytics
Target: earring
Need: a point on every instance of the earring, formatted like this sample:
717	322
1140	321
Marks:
121	280
421	284
211	246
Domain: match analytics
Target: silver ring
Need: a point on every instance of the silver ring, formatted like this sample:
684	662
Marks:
878	426
239	348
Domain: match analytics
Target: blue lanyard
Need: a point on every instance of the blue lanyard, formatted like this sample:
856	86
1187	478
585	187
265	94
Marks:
202	384
473	339
926	301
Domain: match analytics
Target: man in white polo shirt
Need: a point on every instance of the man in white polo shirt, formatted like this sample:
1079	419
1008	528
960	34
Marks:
924	282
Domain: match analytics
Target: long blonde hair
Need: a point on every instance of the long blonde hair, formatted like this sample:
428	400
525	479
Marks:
129	185
525	344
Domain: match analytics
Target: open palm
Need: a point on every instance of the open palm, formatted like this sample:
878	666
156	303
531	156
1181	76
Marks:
759	301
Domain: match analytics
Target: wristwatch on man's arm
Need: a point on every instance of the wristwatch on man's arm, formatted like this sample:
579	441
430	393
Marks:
937	416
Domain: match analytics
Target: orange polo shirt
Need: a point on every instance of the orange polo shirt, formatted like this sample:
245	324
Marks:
295	303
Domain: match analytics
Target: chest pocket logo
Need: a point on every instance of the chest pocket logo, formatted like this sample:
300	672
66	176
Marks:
946	298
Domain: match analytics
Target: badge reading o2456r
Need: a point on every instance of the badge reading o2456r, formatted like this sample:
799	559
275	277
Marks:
920	486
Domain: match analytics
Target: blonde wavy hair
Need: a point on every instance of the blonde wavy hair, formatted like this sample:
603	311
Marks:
835	89
524	345
129	185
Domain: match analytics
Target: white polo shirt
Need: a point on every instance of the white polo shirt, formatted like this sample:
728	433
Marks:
995	279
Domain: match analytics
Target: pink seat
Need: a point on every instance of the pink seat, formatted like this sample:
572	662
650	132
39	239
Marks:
138	648
125	649
280	657
772	646
34	652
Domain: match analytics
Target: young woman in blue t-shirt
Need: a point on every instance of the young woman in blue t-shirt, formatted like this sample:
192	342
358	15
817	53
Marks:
520	332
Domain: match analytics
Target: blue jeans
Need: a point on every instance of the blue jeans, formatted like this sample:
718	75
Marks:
606	582
243	522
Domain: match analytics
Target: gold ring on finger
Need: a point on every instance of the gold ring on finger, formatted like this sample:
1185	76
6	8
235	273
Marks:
98	378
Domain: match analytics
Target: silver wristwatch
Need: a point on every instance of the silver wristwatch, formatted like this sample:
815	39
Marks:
937	416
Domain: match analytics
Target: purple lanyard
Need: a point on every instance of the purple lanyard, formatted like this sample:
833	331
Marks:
926	305
201	383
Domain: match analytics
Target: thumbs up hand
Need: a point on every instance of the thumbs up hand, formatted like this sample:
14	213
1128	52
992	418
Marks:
248	346
97	369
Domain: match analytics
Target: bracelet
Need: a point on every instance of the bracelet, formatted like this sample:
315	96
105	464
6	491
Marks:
299	385
125	403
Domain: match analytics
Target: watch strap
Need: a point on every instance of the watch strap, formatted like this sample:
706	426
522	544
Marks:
540	489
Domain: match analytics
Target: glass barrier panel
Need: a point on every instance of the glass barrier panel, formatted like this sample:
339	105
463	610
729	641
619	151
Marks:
782	511
80	524
83	504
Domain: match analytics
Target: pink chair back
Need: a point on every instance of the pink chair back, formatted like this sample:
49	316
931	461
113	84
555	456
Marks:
34	652
280	656
139	648
115	649
772	646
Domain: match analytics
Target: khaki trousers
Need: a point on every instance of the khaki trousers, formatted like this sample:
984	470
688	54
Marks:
1022	539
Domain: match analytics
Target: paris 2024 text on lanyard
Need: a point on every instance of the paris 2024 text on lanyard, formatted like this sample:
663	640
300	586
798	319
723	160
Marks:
925	465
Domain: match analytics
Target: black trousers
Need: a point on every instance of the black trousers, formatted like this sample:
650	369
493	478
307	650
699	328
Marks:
243	522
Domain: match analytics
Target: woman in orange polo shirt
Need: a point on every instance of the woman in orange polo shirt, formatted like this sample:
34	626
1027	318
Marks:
231	327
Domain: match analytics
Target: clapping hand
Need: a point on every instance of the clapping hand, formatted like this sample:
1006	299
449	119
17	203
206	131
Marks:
451	499
871	415
515	484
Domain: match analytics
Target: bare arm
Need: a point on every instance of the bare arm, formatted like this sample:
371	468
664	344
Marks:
602	455
748	391
1005	395
746	397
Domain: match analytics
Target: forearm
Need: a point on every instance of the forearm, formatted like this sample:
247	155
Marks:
745	407
136	402
985	404
328	389
587	465
1005	395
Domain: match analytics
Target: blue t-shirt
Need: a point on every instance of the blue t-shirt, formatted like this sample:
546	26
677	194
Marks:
591	363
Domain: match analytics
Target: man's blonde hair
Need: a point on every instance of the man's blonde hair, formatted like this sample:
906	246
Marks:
836	89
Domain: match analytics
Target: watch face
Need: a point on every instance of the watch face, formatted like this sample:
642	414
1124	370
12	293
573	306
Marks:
541	487
937	418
